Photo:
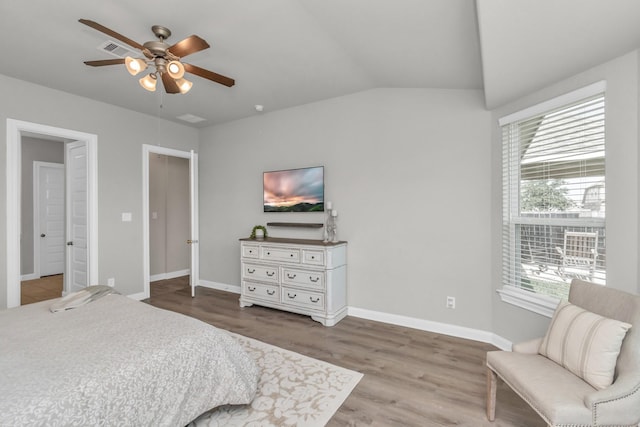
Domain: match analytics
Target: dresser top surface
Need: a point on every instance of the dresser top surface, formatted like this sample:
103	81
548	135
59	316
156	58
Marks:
308	242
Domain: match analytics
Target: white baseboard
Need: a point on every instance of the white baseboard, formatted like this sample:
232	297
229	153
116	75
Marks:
31	276
139	296
219	286
170	275
430	326
395	319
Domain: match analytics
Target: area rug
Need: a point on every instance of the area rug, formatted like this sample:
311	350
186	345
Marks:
294	390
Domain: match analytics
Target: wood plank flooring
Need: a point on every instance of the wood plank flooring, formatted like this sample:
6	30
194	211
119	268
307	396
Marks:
411	377
42	289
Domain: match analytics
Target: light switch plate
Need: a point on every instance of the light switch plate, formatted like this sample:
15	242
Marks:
126	216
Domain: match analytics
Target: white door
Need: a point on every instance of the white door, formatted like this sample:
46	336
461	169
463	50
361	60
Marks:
195	246
77	216
49	214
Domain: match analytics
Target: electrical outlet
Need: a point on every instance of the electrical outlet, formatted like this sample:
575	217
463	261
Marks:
451	302
111	281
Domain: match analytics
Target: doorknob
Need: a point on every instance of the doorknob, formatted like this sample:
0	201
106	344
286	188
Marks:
69	243
191	241
43	235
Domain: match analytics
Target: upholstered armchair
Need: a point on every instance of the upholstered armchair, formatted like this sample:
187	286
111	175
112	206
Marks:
564	398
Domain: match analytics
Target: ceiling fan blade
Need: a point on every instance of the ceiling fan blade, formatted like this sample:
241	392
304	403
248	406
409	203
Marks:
170	85
218	78
102	62
191	44
111	33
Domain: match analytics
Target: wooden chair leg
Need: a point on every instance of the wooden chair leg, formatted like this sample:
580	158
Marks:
492	382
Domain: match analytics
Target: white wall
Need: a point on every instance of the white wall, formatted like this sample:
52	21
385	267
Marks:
621	133
407	169
121	134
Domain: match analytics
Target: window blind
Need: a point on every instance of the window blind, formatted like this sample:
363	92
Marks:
553	190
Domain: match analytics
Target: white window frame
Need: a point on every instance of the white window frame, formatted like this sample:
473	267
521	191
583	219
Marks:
539	303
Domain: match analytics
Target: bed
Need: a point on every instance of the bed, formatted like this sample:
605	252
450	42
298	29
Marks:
116	361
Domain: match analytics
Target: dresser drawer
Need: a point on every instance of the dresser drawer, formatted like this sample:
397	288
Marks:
301	298
260	272
306	279
280	254
312	257
260	290
251	251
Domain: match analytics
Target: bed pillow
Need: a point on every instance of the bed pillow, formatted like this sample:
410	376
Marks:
585	343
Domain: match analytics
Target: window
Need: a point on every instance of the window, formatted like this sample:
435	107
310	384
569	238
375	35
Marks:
554	197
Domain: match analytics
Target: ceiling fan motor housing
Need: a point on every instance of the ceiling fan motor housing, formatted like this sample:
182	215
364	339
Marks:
157	48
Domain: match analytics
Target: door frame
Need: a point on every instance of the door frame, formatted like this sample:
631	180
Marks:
147	150
37	241
15	130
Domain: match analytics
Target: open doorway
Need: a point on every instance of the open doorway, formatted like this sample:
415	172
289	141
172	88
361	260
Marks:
80	189
42	192
169	263
170	218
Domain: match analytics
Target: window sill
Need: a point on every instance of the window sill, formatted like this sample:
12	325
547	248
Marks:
540	304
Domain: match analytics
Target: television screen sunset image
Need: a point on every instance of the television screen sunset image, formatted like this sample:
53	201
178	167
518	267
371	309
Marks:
294	190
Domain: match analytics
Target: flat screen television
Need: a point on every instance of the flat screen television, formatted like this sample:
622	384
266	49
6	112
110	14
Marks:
294	190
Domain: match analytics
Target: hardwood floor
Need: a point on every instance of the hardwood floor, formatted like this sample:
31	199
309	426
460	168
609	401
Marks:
42	289
411	377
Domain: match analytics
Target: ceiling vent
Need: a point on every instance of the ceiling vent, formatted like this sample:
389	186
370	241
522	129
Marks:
191	118
117	49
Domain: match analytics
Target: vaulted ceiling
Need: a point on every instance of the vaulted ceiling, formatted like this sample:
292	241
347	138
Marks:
284	53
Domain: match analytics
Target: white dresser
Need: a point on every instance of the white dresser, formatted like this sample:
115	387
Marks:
302	276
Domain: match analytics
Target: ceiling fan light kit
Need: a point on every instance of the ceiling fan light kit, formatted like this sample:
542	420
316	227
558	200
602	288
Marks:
165	58
134	65
149	82
175	70
184	85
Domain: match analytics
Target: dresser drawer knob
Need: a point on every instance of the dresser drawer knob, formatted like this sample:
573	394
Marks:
270	273
268	253
270	292
314	300
291	296
314	281
291	276
251	289
291	255
313	257
251	271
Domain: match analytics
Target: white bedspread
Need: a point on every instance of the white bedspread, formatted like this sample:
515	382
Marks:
116	361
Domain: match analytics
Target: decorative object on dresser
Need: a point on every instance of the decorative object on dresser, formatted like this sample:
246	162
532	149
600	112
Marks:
259	232
327	221
301	276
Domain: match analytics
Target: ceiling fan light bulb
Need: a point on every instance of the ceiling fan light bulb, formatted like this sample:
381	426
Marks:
175	69
134	65
184	85
149	82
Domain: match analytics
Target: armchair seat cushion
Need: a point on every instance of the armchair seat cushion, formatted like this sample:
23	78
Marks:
552	391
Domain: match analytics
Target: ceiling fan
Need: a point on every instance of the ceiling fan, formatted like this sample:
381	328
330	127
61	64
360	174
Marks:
164	58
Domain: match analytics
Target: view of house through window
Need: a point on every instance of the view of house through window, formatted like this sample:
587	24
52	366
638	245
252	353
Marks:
554	200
